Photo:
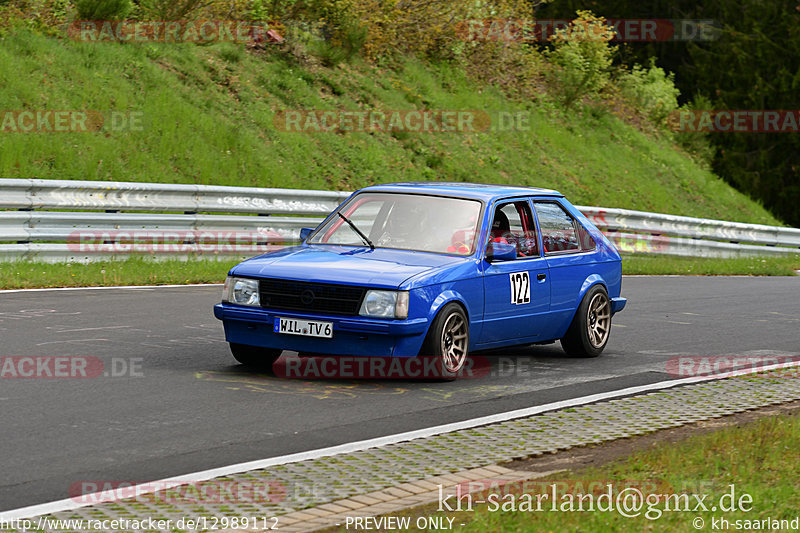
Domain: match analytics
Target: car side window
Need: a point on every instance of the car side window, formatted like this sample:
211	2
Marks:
559	234
513	223
587	240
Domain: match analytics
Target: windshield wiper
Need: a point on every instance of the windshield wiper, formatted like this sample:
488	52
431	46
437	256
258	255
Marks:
350	223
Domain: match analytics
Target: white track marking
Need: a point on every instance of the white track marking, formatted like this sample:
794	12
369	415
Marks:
91	329
121	287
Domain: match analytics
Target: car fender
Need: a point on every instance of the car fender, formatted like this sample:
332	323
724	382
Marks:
588	283
445	298
591	281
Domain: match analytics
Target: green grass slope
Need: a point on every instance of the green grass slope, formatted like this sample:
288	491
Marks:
208	118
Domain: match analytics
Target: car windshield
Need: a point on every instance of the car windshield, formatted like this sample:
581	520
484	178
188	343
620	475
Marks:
405	222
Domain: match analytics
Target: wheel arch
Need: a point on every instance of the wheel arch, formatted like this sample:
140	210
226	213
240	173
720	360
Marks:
445	298
591	281
438	304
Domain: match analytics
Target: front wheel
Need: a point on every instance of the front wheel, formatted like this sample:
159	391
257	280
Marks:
588	334
448	341
254	356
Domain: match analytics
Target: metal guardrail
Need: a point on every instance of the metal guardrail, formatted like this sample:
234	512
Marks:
32	226
655	233
106	220
695	228
85	236
110	223
33	194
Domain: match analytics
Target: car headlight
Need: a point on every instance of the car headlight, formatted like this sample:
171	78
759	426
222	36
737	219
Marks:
241	291
385	304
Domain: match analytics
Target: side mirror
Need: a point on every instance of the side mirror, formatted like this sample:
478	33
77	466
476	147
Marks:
304	233
501	251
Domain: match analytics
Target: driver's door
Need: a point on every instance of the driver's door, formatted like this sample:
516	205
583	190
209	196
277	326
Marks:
517	292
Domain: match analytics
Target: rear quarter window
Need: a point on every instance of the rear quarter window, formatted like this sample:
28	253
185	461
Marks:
560	233
587	241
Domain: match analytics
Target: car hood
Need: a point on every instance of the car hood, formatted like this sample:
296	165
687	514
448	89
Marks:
382	268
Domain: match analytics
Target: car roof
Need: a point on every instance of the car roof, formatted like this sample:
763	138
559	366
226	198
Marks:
478	191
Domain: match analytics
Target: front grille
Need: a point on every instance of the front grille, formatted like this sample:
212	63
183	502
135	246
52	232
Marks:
305	296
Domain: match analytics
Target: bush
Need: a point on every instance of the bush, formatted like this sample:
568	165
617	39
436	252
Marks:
375	28
697	144
345	44
581	57
254	10
381	28
45	16
343	36
422	27
516	70
259	10
350	38
652	90
102	9
171	10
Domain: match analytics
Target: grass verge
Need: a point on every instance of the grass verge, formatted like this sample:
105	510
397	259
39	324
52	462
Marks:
701	266
755	458
137	271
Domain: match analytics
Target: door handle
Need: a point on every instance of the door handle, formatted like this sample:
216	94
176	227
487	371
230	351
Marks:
541	277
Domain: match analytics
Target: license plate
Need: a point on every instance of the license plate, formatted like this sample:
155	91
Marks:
305	328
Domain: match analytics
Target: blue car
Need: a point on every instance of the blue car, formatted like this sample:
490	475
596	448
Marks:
429	269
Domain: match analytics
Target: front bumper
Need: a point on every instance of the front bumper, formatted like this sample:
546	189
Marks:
352	335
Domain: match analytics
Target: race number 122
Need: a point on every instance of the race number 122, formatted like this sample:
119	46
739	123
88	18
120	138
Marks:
520	288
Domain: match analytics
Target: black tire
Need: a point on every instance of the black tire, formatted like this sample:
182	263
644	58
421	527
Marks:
588	334
448	341
254	356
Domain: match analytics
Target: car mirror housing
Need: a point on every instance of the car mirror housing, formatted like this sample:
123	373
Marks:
304	233
501	251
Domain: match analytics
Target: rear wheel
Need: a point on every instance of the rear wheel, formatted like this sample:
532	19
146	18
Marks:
588	334
448	341
253	356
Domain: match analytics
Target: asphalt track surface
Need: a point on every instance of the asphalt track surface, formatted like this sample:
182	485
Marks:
182	405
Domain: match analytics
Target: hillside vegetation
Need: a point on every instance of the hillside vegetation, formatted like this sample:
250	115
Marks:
208	117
